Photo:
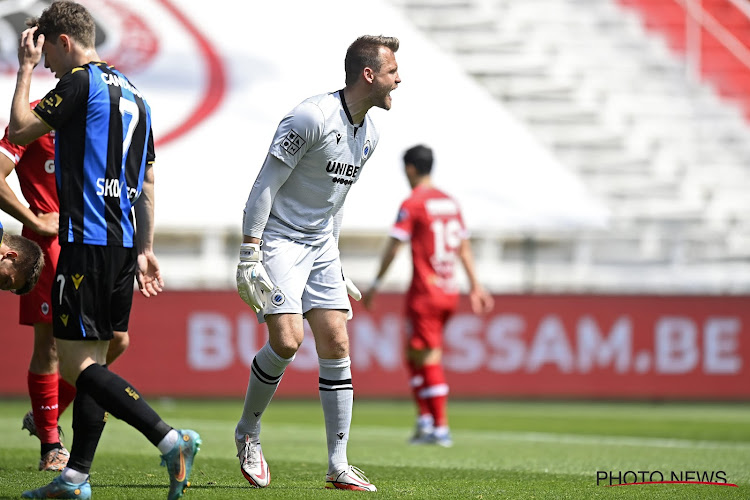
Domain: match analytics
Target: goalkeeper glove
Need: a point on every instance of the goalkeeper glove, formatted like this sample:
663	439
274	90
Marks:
352	289
252	280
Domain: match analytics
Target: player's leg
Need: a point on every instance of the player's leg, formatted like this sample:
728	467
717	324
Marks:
425	353
336	396
285	333
326	303
94	305
412	346
288	265
42	377
117	346
43	391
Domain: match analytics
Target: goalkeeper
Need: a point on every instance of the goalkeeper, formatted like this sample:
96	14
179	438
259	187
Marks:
289	261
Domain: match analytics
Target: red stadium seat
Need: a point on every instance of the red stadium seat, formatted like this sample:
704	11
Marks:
718	64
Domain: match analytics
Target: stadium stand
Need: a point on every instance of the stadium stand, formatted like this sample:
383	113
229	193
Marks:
617	102
603	87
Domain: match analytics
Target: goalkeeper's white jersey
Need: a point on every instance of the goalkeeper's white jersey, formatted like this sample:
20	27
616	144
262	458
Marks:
327	152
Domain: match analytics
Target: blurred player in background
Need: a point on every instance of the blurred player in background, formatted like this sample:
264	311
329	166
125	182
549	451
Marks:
104	169
50	394
21	263
295	207
431	220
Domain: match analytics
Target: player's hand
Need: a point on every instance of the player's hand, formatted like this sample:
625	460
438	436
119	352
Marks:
252	280
30	49
368	299
352	289
48	224
148	274
481	301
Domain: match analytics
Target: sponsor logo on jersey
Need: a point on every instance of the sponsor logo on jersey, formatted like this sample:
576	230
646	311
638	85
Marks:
343	172
292	142
77	278
338	137
51	101
111	188
366	149
277	297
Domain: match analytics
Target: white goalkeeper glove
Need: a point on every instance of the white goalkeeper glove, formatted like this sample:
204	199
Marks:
352	289
252	280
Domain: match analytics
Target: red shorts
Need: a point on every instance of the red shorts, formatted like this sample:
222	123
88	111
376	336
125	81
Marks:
424	326
35	306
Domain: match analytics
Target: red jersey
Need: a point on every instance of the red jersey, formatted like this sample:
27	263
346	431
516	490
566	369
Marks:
35	167
432	221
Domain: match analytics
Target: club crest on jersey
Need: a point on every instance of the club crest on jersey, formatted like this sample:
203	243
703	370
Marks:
366	149
277	297
45	308
292	142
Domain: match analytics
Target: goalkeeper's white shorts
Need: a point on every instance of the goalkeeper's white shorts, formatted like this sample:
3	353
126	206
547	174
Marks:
304	276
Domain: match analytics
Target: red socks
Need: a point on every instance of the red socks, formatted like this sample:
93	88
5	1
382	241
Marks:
417	382
66	393
435	393
44	403
430	391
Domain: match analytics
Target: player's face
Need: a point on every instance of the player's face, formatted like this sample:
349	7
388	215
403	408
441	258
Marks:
53	58
385	80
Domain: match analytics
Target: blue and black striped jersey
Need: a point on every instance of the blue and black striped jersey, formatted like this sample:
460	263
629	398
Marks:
102	145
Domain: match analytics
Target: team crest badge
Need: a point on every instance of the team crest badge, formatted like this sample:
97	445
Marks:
45	308
277	297
366	150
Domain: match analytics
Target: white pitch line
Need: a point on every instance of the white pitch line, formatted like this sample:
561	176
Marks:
575	439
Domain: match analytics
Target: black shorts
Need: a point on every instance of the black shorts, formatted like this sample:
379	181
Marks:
93	291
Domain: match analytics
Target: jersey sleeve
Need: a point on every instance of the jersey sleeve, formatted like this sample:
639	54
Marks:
150	151
1	233
404	226
65	99
12	151
297	133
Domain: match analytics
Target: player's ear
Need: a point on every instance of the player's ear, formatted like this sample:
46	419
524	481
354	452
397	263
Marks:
10	254
64	41
369	74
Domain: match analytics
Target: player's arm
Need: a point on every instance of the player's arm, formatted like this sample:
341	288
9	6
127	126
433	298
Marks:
44	224
273	174
481	301
390	252
148	273
24	125
252	280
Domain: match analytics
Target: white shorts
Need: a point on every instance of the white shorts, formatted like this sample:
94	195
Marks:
304	276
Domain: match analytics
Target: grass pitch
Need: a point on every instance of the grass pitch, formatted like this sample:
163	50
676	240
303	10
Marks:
518	450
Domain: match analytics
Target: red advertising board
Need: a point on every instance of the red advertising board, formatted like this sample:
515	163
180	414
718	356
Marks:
201	343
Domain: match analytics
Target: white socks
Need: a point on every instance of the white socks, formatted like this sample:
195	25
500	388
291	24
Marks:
265	375
337	398
72	476
168	442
